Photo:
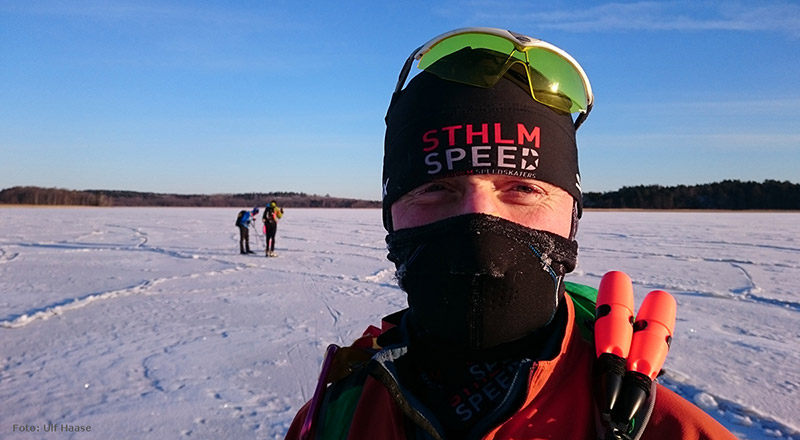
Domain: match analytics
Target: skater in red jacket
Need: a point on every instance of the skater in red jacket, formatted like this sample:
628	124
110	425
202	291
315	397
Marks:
481	201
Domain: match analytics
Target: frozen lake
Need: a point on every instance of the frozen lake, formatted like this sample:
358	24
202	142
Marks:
147	323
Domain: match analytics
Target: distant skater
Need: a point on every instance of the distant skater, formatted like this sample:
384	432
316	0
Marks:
243	222
270	219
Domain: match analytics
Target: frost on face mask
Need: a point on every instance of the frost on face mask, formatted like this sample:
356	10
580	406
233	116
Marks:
477	281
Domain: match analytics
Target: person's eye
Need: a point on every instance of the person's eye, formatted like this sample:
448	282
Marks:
429	188
430	193
528	189
524	193
433	188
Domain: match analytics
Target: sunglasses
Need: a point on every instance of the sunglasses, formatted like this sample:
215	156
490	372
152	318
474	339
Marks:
480	56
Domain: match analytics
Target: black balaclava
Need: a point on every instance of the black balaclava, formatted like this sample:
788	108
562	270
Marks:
476	282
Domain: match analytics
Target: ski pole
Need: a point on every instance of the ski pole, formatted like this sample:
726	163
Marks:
258	236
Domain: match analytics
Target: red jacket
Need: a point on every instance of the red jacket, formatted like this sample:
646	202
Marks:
559	405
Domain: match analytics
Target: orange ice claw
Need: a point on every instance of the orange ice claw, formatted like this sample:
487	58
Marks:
614	315
652	335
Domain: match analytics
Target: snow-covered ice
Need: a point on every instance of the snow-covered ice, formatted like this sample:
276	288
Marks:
147	323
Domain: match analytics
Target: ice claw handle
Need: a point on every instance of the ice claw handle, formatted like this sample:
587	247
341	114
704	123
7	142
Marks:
612	332
652	336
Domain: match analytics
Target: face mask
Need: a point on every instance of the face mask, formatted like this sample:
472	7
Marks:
477	281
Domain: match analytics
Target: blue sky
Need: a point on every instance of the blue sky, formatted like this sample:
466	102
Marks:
258	96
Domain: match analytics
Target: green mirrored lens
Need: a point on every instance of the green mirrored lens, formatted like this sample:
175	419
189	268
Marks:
467	41
484	67
555	79
482	59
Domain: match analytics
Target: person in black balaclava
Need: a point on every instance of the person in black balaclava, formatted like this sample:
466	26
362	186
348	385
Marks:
481	223
481	202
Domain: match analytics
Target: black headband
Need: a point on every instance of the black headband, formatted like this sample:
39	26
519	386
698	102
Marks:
437	128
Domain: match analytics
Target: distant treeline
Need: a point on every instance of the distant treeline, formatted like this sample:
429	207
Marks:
728	194
31	195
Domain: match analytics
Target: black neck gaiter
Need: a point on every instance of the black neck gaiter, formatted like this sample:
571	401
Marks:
475	281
